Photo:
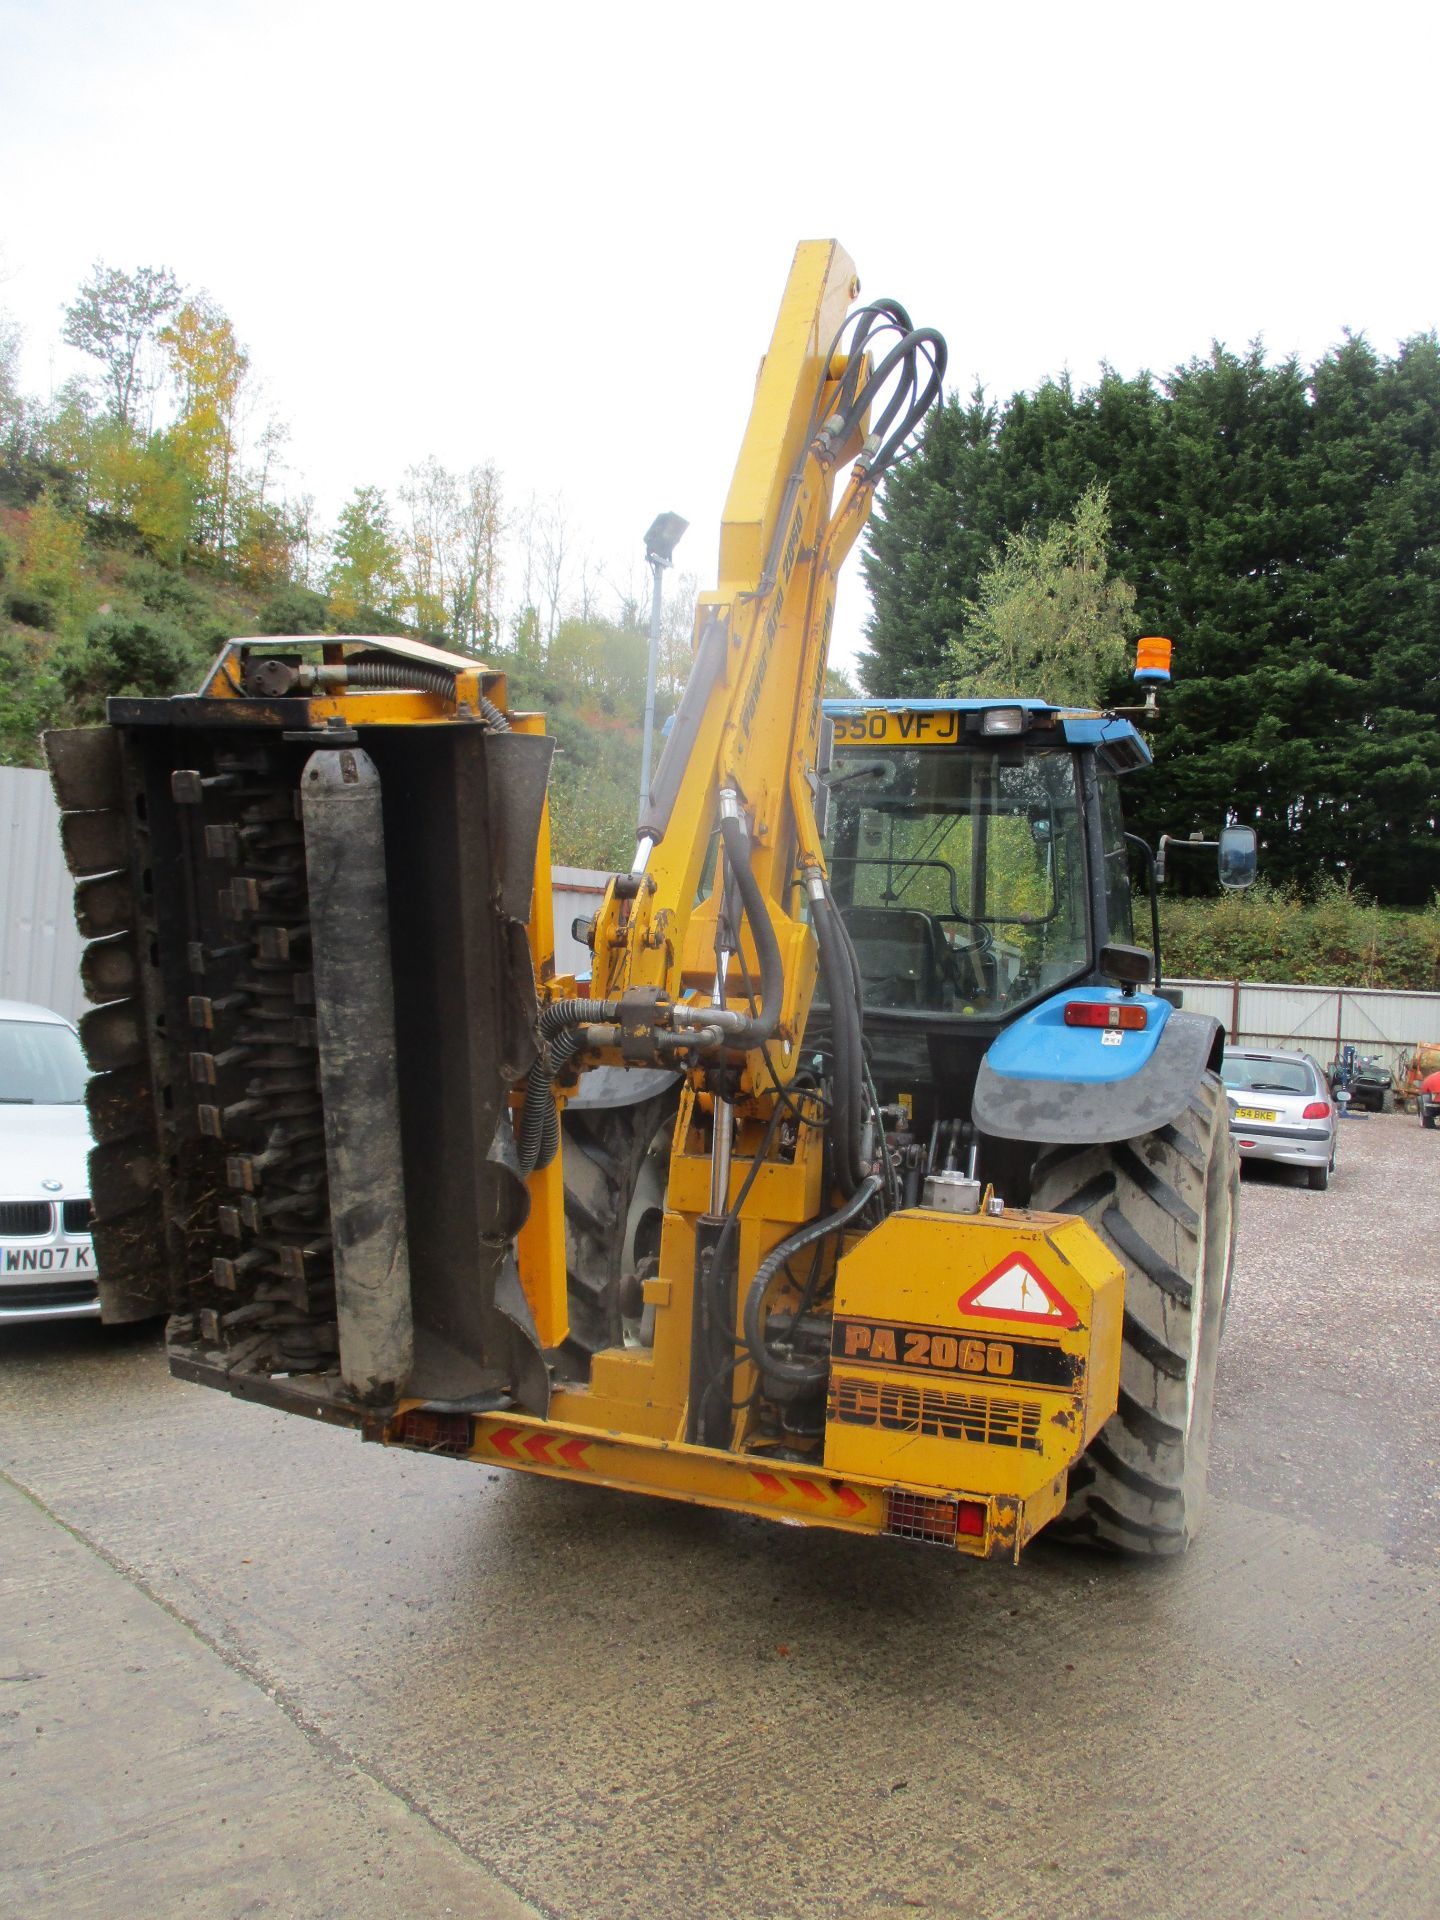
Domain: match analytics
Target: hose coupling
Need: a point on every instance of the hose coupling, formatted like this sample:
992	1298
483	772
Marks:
723	1019
693	1040
644	1013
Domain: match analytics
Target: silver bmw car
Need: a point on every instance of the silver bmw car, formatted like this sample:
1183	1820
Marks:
1281	1109
47	1263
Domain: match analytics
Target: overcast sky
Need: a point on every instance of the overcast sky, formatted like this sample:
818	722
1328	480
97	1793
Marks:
555	235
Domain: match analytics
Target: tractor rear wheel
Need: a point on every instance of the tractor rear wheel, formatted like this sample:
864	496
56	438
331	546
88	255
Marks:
616	1167
1165	1204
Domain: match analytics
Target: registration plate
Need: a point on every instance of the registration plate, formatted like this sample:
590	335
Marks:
48	1260
880	727
1256	1113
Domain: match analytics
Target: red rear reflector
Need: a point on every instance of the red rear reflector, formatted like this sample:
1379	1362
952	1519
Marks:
436	1432
972	1517
1105	1013
1317	1110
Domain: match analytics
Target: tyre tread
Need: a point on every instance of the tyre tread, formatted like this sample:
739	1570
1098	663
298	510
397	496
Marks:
601	1157
1146	1198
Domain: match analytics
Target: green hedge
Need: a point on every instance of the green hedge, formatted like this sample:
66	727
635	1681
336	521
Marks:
1337	939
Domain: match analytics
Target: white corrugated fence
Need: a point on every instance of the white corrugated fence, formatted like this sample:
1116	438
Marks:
1375	1020
39	945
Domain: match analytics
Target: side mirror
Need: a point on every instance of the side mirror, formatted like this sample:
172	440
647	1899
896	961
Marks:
1239	858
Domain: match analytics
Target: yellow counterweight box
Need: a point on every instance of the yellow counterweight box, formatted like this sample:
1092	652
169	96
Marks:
973	1352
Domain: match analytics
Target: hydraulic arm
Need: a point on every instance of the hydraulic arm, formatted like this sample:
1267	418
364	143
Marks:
708	983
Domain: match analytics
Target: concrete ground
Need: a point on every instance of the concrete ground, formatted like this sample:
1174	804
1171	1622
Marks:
249	1666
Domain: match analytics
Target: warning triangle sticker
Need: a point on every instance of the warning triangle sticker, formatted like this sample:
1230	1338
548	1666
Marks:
1016	1290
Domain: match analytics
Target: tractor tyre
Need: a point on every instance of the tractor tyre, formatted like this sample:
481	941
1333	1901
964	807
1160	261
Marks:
1166	1205
616	1167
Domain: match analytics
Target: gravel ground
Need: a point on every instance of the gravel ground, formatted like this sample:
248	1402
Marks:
327	1680
1328	1404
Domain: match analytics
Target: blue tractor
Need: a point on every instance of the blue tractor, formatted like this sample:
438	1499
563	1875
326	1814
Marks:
1019	1040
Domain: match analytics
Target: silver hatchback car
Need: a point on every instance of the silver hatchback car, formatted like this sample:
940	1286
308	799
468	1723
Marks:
1281	1109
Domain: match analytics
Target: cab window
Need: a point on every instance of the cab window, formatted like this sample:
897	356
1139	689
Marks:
960	875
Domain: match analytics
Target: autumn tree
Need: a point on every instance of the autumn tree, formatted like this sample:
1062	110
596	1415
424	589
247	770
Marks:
304	540
11	402
116	318
478	573
452	539
145	481
677	635
208	367
51	575
527	641
575	656
429	497
546	542
367	575
264	534
18	421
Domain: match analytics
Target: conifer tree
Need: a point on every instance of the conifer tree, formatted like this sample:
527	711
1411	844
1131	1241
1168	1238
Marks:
1281	526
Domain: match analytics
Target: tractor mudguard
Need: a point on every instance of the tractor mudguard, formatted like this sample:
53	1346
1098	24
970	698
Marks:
1045	1081
606	1087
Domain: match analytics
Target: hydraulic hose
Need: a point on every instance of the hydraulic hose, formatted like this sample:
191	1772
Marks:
913	368
767	947
847	1106
798	1373
539	1134
428	676
540	1124
856	1006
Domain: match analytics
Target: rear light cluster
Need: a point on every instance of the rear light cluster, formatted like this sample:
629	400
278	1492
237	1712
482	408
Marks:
1317	1110
1106	1013
937	1519
435	1432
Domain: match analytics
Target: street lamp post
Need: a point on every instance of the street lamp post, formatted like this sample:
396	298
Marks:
660	544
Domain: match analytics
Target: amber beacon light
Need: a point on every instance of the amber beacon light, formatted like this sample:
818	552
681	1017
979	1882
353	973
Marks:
1152	661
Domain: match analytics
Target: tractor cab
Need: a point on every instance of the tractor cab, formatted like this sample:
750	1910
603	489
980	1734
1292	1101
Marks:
978	861
976	851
